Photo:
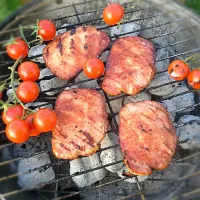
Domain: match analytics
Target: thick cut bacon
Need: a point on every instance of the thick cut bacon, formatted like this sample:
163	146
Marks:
147	137
81	124
66	55
130	66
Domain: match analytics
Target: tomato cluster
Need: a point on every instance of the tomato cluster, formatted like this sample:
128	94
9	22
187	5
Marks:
179	70
21	122
45	30
19	130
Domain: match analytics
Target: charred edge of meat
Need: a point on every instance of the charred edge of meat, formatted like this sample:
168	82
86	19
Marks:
74	91
84	28
72	44
47	52
127	174
59	45
72	32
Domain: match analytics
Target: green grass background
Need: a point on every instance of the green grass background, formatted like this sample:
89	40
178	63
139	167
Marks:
9	6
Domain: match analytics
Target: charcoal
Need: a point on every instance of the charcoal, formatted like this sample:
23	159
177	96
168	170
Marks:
160	79
190	130
124	28
111	155
171	107
37	177
142	96
183	100
86	163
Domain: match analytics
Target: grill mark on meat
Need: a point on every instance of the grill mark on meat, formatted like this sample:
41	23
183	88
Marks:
88	136
145	148
86	141
47	52
85	46
75	145
84	28
72	32
62	135
59	45
64	147
72	44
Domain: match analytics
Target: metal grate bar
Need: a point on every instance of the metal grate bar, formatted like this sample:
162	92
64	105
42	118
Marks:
46	166
50	182
76	14
90	189
8	64
176	180
105	27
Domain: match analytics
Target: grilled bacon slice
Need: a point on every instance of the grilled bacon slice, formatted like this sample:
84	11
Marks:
147	137
130	66
81	125
66	55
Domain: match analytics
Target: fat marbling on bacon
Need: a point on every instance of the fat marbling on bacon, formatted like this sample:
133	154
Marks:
66	55
81	125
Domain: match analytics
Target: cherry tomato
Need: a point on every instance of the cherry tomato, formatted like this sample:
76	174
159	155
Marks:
28	91
178	70
0	95
29	71
45	120
47	29
12	113
30	121
194	79
18	131
93	68
17	49
113	13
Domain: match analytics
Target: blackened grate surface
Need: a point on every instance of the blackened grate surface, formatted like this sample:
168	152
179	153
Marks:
174	31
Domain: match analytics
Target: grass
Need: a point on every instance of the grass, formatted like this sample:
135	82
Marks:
194	4
9	6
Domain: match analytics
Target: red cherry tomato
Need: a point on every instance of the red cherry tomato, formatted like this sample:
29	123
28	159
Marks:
47	29
17	49
29	71
12	113
194	79
30	121
113	13
28	91
93	68
18	131
178	70
45	120
0	95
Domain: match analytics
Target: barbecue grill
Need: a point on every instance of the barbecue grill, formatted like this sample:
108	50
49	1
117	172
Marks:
175	32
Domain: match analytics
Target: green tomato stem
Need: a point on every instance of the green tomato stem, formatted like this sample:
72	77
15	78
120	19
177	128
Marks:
23	36
12	78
